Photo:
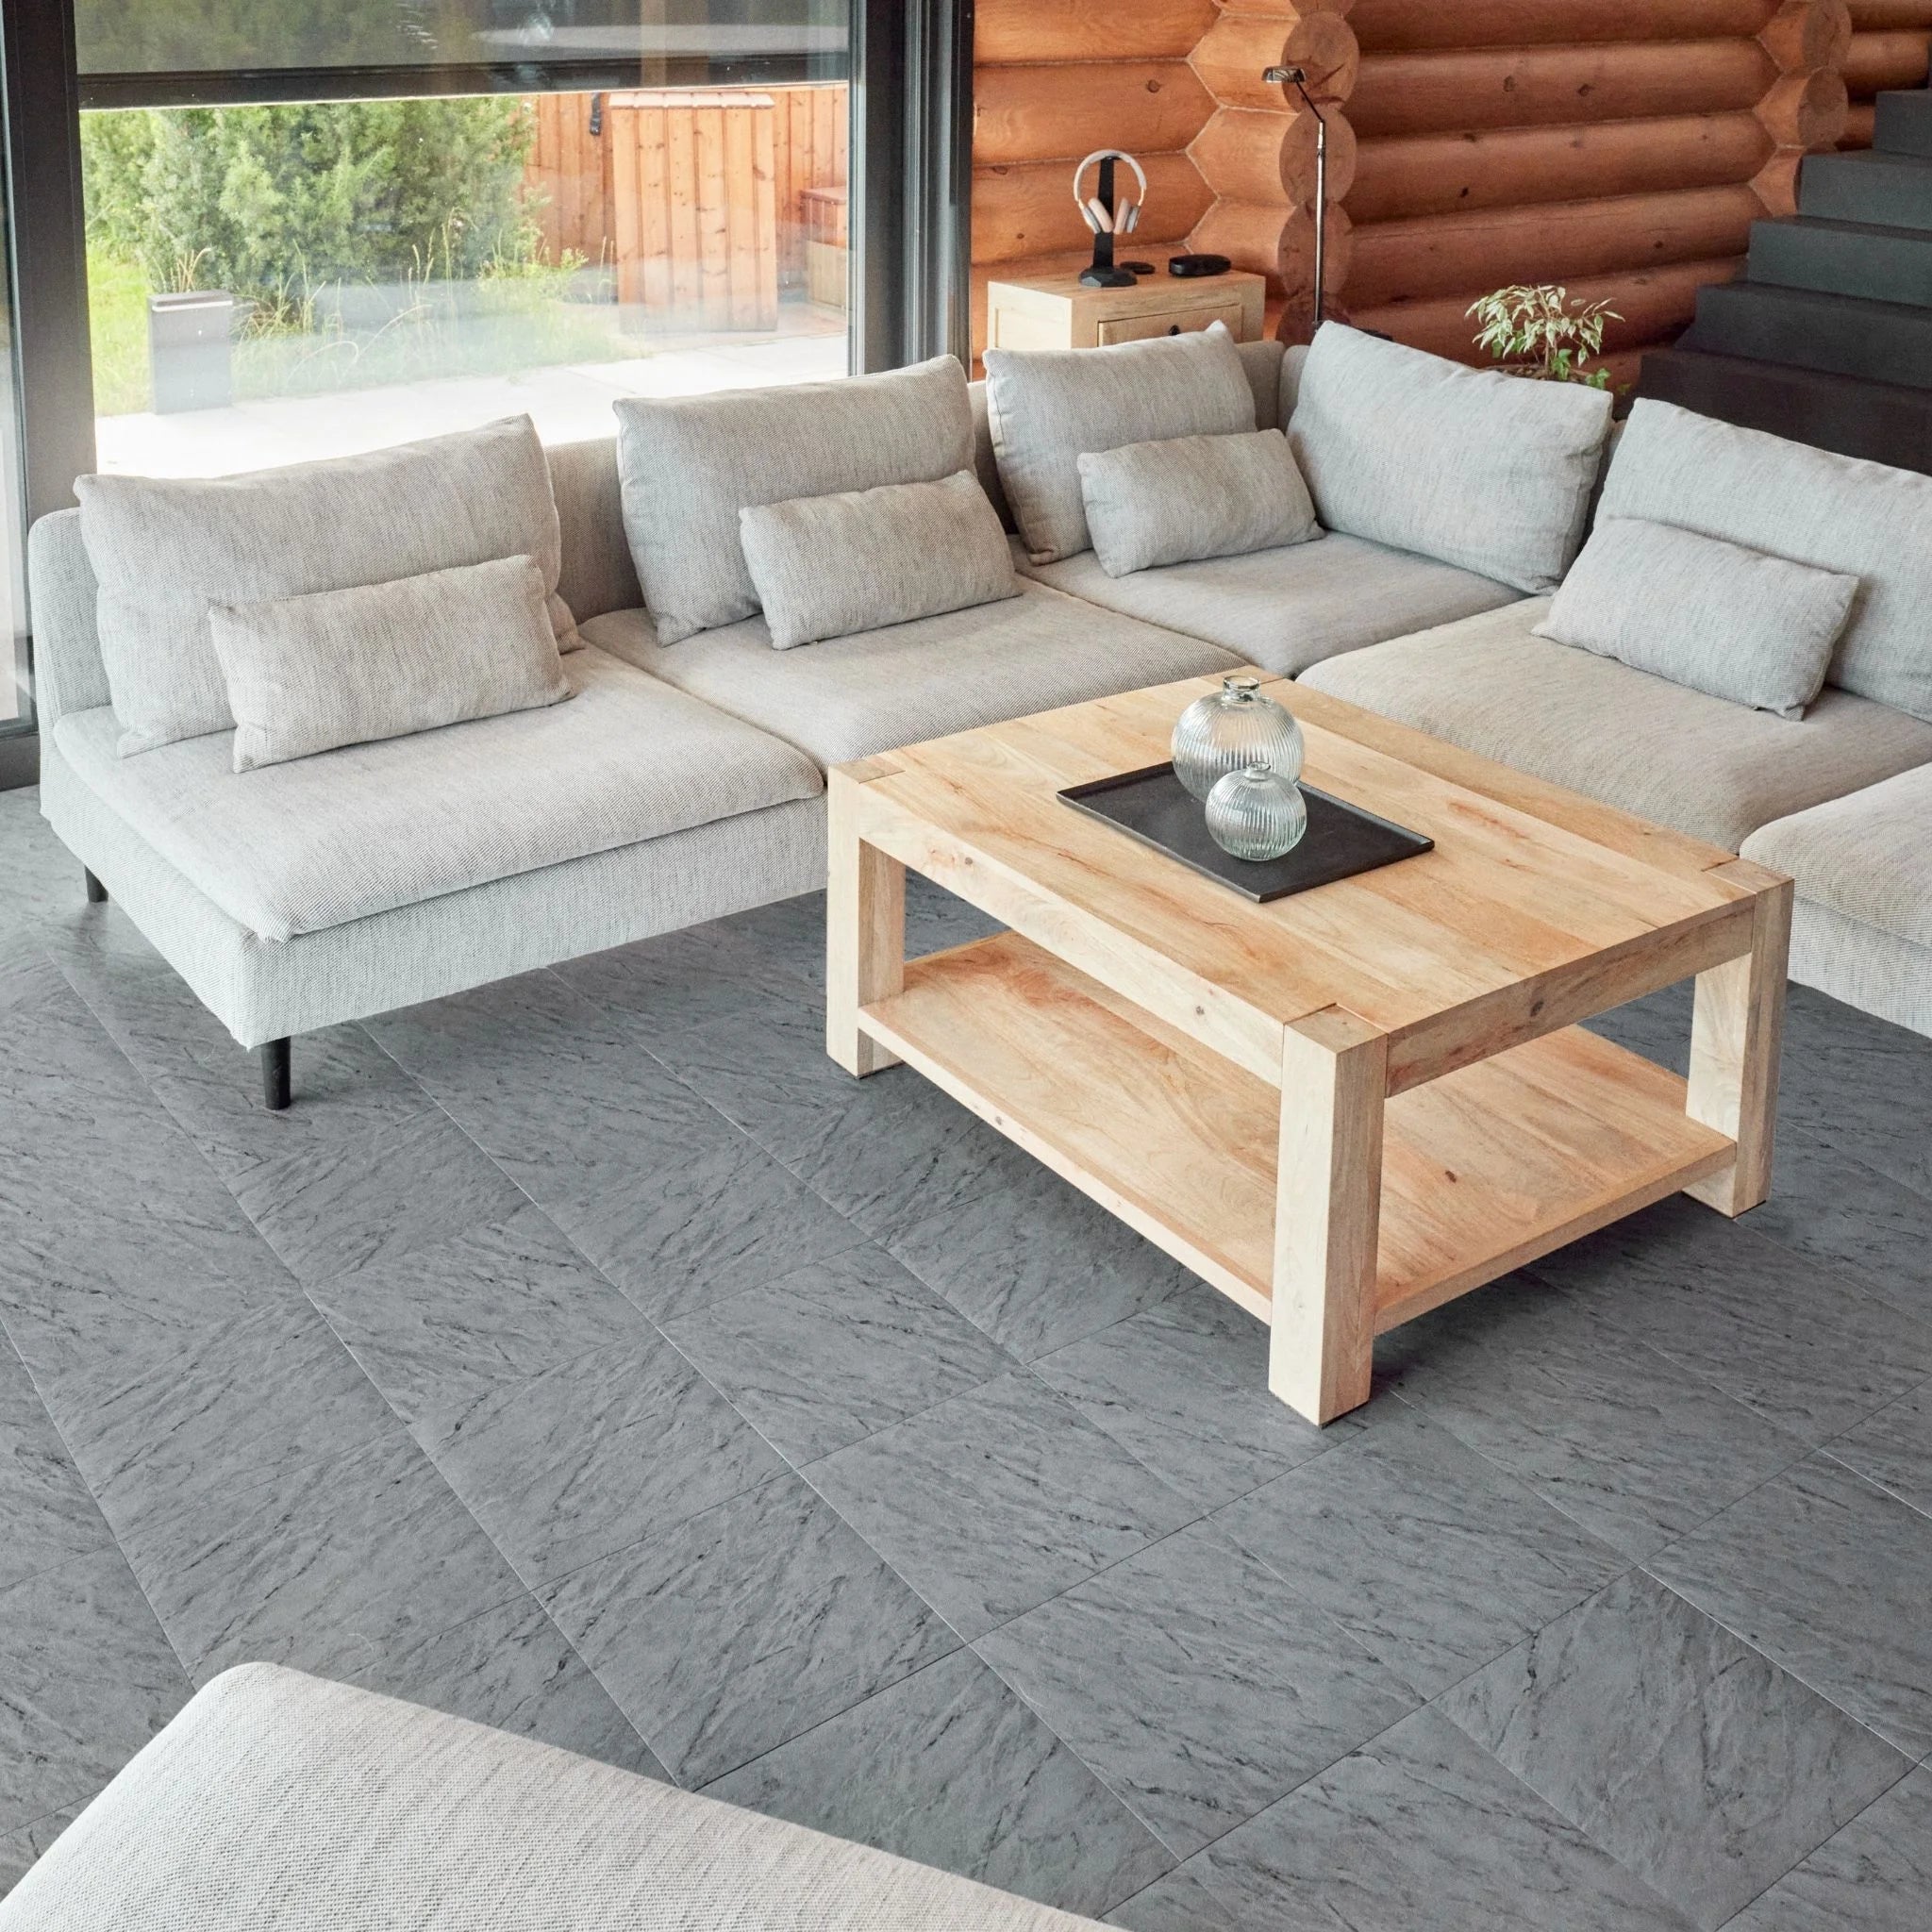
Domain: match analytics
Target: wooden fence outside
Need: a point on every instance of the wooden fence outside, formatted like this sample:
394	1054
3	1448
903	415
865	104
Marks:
614	177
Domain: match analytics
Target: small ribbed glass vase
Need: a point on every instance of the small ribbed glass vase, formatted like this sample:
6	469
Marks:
1257	813
1231	728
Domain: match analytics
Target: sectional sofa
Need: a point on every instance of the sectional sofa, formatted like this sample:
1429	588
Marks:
684	780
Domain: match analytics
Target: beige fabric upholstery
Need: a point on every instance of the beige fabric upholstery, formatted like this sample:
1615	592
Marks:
1867	857
1290	608
266	989
164	548
1483	470
689	464
1877	971
1706	767
275	1802
597	574
346	667
852	696
826	566
304	846
69	675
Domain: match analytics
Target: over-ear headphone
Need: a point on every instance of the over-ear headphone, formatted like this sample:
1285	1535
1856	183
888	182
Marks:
1123	220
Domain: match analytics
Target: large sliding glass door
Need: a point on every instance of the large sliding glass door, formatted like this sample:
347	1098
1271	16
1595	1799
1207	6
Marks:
320	228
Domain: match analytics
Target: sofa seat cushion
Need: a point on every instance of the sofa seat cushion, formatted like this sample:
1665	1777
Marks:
1866	856
315	843
1288	607
1697	763
852	696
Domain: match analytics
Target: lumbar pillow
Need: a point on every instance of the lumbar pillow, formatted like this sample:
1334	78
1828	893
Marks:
380	661
1736	622
1047	407
1838	513
164	549
1489	472
1193	496
826	566
689	464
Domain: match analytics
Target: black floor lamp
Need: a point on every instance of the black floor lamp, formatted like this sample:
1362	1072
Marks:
1297	77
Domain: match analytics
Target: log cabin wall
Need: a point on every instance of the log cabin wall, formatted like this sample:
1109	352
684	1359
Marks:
1054	79
1621	147
1890	43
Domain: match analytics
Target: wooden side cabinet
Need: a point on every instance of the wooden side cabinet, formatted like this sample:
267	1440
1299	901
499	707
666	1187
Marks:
1057	312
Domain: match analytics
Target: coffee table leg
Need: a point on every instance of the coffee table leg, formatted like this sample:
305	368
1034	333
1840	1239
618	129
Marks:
1327	1206
1737	1027
865	929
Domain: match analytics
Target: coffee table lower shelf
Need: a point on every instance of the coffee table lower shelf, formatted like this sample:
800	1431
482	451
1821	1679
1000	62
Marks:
1483	1169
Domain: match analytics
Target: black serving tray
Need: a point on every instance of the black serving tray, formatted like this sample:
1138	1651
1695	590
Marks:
1154	806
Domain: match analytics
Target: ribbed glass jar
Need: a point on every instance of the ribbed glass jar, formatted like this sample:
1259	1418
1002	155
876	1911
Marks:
1231	728
1257	813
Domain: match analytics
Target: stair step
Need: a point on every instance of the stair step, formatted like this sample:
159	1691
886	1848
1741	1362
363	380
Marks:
1882	341
1877	420
1843	258
1890	189
1904	123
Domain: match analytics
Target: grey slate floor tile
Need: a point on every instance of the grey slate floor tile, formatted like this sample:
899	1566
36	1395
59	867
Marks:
678	1232
1041	1273
719	970
1422	1828
995	1501
325	1568
1697	1762
513	1669
325	1209
1830	1577
1434	1559
1183	1388
1786	1335
86	1679
1893	1448
950	1768
835	1350
590	1456
444	1328
1178	1902
222	1409
1633	1446
726	1636
1196	1685
1874	1875
47	1514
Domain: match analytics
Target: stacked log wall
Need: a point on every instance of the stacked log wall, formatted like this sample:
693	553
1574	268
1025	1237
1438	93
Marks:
1891	42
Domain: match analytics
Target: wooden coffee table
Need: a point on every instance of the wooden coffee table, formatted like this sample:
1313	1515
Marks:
1345	1108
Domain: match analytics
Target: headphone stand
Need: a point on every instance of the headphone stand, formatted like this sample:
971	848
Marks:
1101	273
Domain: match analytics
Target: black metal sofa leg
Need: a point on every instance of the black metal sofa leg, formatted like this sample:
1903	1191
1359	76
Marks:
96	892
275	1075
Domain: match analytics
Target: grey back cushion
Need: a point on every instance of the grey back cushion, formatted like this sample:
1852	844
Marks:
831	566
1715	616
164	549
689	464
1839	513
1491	473
1049	407
309	674
1193	496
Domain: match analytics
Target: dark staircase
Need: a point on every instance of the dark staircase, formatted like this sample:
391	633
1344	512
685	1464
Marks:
1827	336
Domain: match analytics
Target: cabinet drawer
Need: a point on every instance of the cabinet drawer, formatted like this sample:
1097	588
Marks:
1169	322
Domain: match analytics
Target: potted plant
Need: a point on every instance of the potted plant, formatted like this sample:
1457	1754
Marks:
1543	332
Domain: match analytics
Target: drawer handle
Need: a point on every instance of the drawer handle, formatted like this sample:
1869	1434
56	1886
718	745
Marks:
1173	329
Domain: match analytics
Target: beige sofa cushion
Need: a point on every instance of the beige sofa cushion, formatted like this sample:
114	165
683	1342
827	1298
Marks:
849	697
305	846
1867	857
1288	607
1698	763
274	1800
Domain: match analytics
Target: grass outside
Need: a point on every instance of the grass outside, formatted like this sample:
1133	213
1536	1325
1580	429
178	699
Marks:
514	318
